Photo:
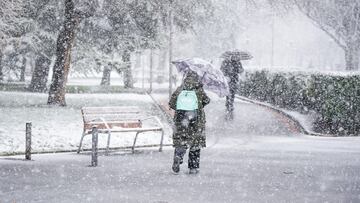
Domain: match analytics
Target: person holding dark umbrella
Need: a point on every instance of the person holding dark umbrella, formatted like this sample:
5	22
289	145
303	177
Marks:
231	68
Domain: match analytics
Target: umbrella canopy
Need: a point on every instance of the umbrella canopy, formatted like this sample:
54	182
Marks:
241	55
212	78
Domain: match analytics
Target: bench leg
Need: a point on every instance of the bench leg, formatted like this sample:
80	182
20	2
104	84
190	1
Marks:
82	137
161	141
108	144
133	147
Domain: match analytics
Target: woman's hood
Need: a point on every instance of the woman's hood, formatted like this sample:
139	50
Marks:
191	81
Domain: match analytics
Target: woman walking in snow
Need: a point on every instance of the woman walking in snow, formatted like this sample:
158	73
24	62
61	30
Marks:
189	101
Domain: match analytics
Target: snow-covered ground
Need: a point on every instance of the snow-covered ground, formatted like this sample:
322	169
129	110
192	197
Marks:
255	158
60	128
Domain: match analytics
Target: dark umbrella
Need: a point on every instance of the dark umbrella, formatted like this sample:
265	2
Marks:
241	55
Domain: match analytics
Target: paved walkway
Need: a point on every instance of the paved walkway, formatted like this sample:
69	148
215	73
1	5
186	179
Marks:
255	158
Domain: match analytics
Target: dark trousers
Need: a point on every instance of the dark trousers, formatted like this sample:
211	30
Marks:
194	156
230	104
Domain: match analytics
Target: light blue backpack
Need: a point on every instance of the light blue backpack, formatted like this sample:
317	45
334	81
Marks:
187	101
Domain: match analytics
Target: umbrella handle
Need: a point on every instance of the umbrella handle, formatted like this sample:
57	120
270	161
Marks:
203	76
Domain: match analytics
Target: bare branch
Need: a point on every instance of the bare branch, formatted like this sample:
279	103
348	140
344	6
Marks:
320	25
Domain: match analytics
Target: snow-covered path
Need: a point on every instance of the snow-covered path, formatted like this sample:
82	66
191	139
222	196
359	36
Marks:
256	158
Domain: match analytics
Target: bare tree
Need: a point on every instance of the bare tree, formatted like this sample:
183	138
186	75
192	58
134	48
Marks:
339	19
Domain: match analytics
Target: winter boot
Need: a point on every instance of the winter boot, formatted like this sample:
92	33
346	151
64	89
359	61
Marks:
176	165
194	171
229	116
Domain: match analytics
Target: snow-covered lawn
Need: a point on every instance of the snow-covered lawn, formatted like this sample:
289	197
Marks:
60	128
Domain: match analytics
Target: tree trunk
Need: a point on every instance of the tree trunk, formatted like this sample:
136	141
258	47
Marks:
163	61
64	45
40	75
105	81
117	68
138	62
151	69
1	67
128	79
23	69
352	54
162	65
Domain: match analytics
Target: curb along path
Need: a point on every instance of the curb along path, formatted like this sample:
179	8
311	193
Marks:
299	126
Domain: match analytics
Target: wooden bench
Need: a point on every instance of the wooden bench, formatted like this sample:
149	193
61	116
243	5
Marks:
117	120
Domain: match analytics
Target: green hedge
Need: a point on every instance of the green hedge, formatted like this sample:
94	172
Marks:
335	99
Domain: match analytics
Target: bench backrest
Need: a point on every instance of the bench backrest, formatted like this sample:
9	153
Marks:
127	117
110	110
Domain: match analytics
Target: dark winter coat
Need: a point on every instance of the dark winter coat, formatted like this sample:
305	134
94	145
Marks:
194	134
232	69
